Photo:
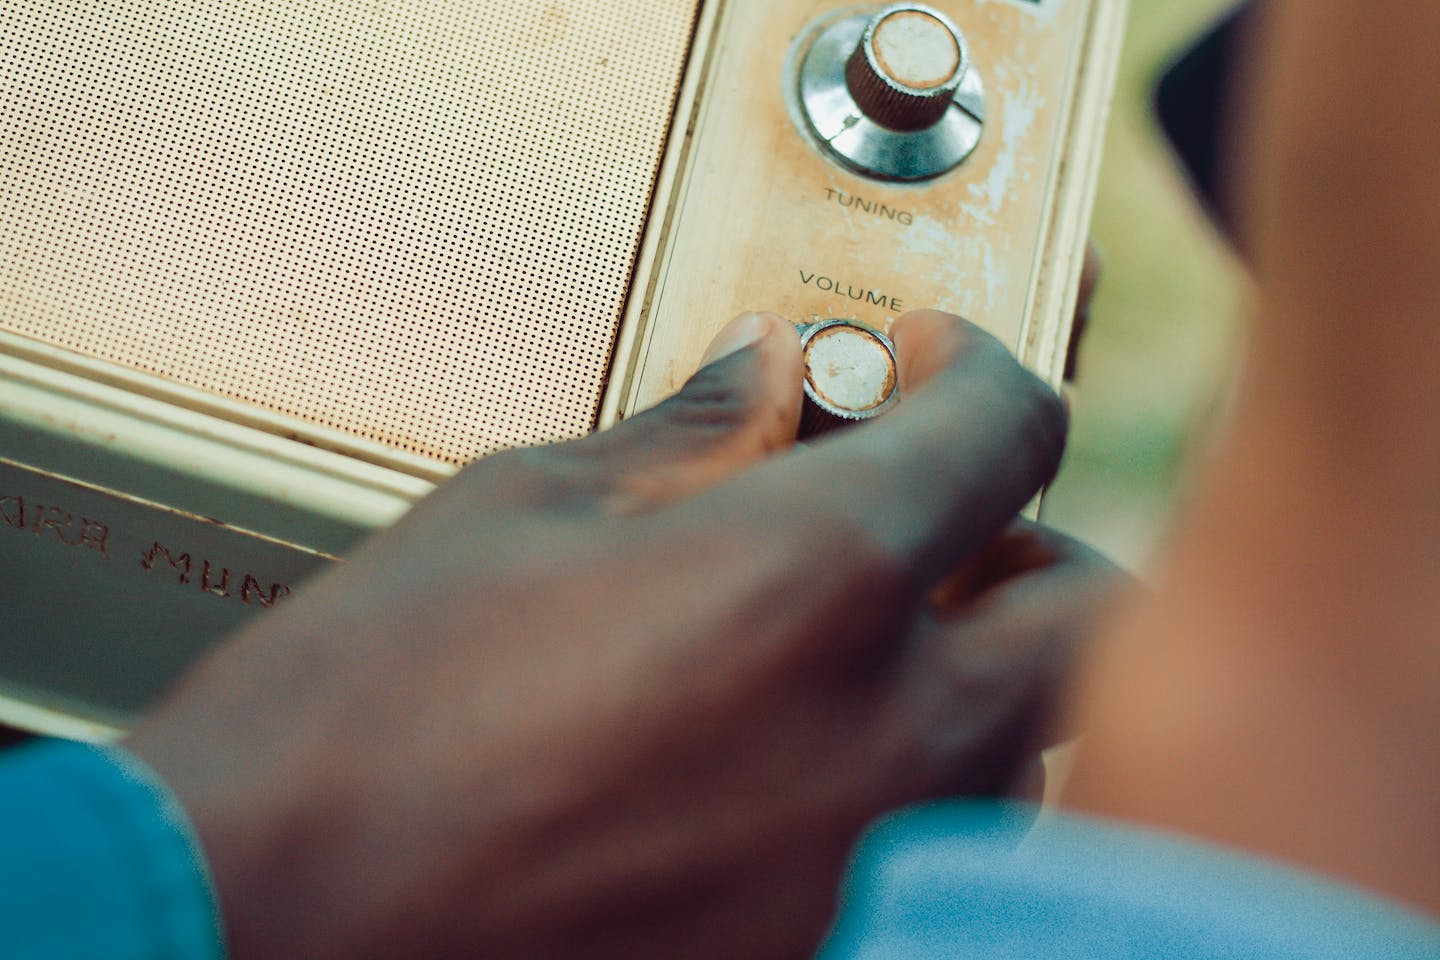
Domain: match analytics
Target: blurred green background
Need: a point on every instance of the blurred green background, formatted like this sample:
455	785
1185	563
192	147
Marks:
1159	349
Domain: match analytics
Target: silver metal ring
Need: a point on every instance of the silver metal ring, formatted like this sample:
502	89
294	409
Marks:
861	378
837	124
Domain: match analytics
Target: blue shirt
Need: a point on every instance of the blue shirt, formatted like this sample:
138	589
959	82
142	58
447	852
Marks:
973	881
97	860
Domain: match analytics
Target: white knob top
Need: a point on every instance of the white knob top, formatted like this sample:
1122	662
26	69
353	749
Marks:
850	373
907	67
916	49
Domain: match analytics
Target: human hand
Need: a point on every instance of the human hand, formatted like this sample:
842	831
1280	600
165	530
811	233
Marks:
635	695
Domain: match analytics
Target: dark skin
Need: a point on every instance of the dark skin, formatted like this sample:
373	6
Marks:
636	695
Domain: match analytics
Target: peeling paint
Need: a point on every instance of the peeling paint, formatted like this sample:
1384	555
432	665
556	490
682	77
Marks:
958	262
1023	106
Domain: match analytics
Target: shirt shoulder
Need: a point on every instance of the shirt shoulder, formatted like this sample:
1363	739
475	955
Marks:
98	860
974	880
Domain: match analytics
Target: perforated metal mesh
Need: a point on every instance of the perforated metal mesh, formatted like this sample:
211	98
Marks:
411	220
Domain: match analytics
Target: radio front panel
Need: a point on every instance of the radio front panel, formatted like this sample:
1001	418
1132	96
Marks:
767	216
269	270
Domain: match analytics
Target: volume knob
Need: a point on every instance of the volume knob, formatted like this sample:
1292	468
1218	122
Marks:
851	374
907	68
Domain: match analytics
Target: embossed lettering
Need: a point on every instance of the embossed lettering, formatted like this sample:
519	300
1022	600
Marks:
872	207
210	584
179	565
12	511
251	588
87	533
53	520
95	535
42	520
849	290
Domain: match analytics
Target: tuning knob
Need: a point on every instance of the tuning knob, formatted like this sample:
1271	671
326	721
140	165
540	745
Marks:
893	94
907	67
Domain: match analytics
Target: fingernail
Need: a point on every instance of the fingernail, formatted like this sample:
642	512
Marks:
744	330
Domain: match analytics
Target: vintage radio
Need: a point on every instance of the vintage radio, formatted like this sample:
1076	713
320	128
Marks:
270	269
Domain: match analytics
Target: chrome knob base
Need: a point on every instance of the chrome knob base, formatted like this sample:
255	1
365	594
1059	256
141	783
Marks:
891	95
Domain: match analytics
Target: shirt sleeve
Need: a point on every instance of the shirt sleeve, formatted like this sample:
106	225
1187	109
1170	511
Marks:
974	881
97	860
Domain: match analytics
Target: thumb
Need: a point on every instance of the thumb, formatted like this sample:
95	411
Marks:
741	405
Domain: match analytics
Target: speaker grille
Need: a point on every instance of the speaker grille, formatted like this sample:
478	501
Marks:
410	220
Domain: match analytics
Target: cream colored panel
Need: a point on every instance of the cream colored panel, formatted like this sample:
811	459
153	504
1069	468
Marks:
413	221
765	221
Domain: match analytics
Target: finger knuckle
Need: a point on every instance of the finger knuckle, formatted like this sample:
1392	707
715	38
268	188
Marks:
719	398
